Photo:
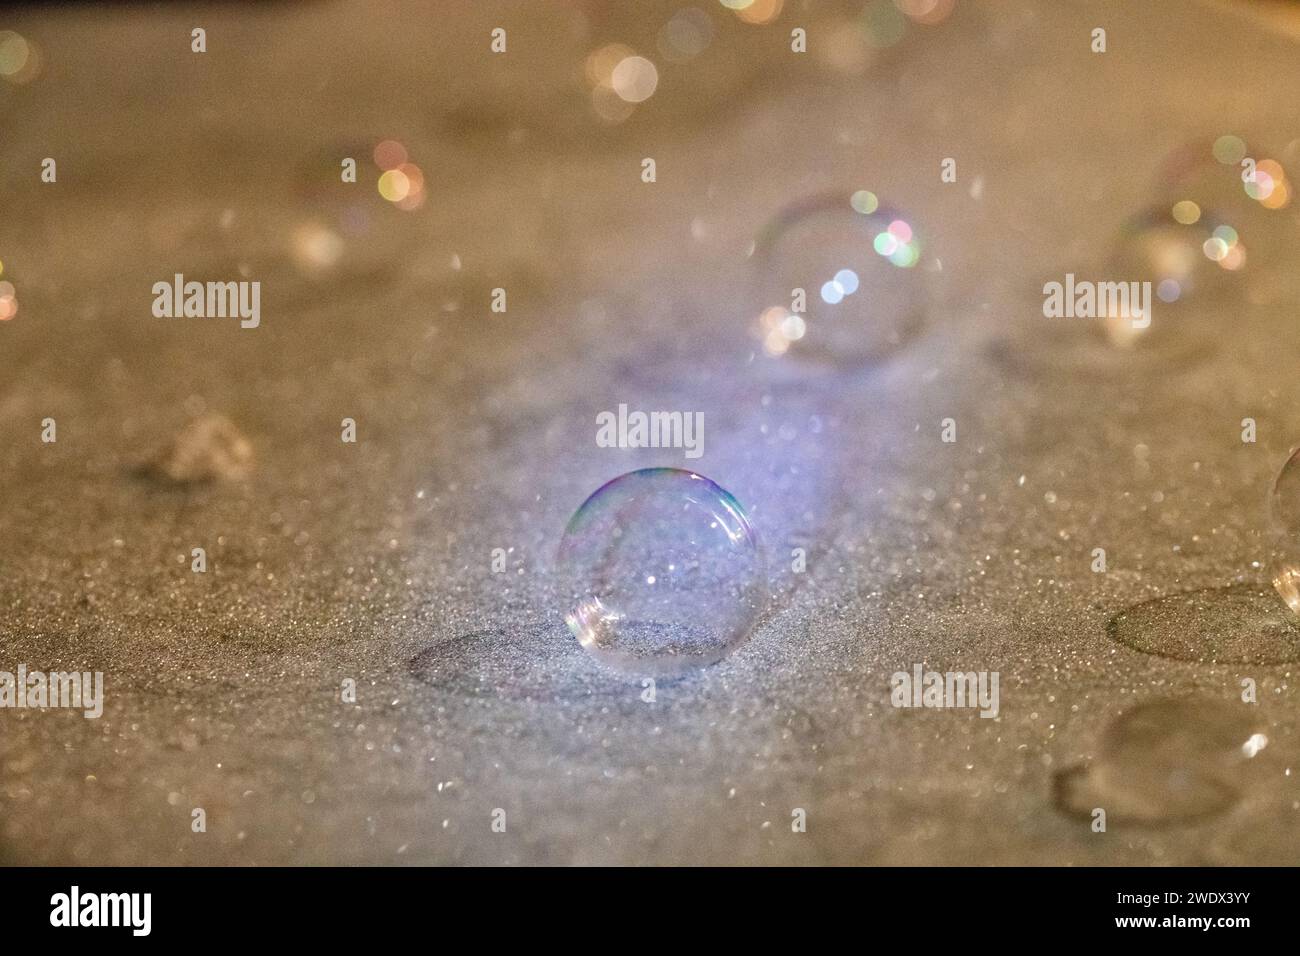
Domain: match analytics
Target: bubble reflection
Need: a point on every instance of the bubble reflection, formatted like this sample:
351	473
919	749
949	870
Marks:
1165	761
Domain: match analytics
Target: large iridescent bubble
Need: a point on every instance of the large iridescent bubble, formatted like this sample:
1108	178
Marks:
661	573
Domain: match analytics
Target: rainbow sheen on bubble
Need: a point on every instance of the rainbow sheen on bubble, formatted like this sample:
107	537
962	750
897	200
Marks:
1234	182
1185	265
1218	232
660	573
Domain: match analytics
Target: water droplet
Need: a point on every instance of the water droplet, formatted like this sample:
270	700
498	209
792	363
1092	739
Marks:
1241	624
661	573
1164	761
840	280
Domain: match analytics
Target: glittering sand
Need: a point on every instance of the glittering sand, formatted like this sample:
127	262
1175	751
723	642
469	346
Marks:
370	562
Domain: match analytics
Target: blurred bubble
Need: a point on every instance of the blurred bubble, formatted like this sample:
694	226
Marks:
316	248
609	106
14	53
389	154
1270	186
1211	246
1230	180
686	35
393	185
928	12
20	59
864	201
883	23
1229	149
1164	761
837	282
1284	527
615	100
1185	259
634	79
759	11
414	186
8	298
1186	212
1191	262
401	182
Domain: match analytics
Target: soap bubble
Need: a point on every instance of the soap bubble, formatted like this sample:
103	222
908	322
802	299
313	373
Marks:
1156	304
1206	225
661	573
840	280
1189	256
1284	520
1212	242
1233	201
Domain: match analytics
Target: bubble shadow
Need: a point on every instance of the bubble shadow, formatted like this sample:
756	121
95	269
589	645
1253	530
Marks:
1237	624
